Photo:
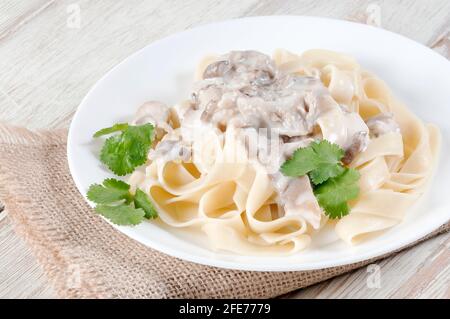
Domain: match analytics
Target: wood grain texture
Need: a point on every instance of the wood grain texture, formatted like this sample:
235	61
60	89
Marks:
47	66
20	276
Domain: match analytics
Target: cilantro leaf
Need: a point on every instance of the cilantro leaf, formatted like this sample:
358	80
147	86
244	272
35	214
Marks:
108	130
142	200
326	171
123	153
116	203
115	183
111	191
320	159
302	162
337	211
333	194
333	184
121	214
328	160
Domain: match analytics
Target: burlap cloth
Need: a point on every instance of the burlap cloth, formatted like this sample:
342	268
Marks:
84	257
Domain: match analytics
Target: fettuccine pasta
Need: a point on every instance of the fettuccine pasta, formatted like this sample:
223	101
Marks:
202	175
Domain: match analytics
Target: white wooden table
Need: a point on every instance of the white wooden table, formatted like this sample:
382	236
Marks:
52	52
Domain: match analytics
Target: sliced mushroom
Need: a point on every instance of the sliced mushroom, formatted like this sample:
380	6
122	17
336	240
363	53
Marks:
216	69
263	78
381	124
358	145
156	113
171	149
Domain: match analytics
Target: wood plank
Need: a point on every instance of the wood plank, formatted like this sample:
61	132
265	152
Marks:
417	20
15	14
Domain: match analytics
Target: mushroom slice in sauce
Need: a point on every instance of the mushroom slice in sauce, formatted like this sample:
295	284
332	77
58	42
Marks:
156	113
358	145
171	148
216	69
381	124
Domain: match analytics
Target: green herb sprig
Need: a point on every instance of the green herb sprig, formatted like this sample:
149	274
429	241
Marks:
116	203
333	184
122	153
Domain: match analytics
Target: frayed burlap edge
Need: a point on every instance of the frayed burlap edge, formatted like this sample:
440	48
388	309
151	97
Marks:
30	227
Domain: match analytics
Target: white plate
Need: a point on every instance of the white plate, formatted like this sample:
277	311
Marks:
163	71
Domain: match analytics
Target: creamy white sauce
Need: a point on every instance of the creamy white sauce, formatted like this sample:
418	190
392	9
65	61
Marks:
246	91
